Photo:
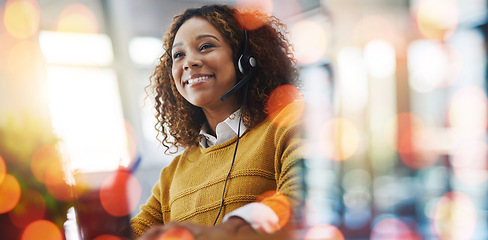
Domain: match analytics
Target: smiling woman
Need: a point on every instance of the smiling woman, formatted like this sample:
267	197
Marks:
238	174
203	69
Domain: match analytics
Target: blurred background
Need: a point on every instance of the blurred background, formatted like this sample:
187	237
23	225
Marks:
396	115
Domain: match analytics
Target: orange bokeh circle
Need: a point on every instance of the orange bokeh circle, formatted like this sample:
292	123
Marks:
177	233
279	204
284	106
324	232
120	193
30	208
3	169
46	161
253	14
10	192
108	237
42	230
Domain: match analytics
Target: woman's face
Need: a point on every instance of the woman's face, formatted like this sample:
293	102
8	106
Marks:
203	67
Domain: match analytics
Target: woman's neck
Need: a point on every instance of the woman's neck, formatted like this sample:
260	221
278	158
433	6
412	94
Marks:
217	116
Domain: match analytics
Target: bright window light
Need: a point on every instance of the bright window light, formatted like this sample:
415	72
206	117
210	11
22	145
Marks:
353	79
76	49
87	115
145	50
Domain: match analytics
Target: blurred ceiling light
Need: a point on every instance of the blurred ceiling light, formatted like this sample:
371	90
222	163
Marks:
437	19
310	41
380	58
76	49
145	50
22	18
77	18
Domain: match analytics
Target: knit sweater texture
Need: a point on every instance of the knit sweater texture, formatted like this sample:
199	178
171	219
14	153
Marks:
190	187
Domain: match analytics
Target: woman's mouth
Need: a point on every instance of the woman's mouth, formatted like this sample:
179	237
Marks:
194	80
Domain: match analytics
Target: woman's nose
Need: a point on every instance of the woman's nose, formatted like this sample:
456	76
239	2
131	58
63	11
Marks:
192	61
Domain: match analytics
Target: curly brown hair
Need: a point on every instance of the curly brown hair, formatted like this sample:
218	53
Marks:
179	122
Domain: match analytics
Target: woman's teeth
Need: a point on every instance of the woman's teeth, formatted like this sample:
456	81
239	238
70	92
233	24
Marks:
198	79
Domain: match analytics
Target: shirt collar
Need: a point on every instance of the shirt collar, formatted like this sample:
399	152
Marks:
225	131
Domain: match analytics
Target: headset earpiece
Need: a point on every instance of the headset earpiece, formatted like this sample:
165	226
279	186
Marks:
247	67
245	63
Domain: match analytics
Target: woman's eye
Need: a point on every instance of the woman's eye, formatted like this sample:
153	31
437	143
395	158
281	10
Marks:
177	55
206	46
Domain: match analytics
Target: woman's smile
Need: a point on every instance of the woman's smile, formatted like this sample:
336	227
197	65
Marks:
196	79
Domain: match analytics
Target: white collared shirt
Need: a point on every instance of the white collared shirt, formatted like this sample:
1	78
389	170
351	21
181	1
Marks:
224	131
261	217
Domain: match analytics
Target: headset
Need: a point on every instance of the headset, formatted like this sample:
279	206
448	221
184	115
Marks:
247	67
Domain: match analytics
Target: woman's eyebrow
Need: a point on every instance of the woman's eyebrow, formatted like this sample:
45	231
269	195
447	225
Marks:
176	45
207	35
197	38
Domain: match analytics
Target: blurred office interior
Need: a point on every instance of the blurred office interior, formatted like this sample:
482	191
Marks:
396	115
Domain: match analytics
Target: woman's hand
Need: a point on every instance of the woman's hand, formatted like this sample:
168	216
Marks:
232	228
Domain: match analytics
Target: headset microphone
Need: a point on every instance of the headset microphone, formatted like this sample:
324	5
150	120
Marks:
247	66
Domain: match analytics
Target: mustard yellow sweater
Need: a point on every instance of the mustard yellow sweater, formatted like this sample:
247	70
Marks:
190	188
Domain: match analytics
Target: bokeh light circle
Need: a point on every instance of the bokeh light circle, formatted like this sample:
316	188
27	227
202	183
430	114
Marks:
284	107
310	41
108	237
340	139
21	54
455	217
77	18
279	203
392	228
42	230
432	65
413	140
42	161
374	27
380	58
3	169
120	193
31	207
22	18
61	191
253	14
468	111
437	19
10	192
470	162
324	232
177	233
